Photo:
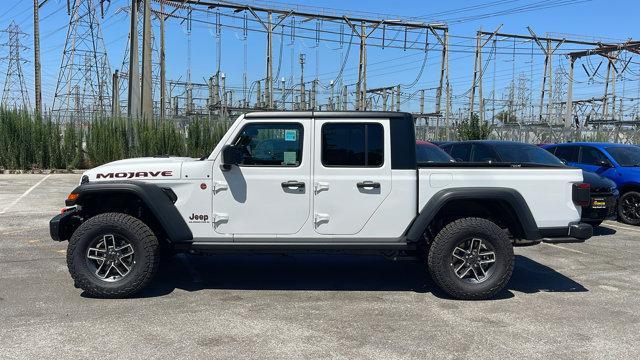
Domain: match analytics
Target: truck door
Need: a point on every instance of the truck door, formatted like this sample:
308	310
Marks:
269	191
352	173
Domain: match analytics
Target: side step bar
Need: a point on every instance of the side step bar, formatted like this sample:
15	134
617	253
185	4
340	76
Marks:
254	246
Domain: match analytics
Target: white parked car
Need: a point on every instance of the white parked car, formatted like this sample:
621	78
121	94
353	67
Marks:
318	181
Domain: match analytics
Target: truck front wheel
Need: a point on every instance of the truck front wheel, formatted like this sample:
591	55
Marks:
471	259
112	255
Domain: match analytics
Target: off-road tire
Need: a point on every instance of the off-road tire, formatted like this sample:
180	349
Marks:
440	258
621	216
140	236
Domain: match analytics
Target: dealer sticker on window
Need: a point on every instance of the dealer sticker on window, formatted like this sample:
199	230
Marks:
290	135
289	158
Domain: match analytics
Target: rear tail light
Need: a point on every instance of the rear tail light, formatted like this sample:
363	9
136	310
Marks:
582	194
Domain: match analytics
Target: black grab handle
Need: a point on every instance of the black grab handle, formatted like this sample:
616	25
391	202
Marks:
368	184
293	184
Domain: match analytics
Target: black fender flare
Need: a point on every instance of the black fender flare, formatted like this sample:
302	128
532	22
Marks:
442	197
153	197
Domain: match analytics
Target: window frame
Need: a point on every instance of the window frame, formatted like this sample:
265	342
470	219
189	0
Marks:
584	148
366	141
235	139
576	149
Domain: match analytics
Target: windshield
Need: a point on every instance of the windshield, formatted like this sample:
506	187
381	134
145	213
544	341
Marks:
431	154
625	155
523	153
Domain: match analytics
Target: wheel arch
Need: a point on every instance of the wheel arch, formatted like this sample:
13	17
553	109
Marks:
503	205
146	201
633	186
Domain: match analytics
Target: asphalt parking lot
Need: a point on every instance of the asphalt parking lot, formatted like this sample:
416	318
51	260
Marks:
564	301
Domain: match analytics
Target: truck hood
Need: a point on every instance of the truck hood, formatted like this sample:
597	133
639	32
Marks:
146	168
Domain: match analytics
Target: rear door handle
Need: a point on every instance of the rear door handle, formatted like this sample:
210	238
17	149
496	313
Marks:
292	184
368	185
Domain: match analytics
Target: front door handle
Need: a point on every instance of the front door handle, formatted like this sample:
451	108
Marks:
292	184
368	185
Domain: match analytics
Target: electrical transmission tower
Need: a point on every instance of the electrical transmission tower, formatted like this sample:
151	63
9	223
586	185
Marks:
15	95
83	87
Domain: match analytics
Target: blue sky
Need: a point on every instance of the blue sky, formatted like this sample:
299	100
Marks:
582	19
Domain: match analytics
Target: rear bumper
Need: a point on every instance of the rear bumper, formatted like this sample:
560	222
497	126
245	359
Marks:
575	232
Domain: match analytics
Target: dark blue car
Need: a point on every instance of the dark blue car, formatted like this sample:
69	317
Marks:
617	162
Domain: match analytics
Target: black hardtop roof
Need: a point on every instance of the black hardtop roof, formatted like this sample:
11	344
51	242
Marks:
329	114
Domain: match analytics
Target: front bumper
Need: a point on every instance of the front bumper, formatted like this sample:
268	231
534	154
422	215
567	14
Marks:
62	226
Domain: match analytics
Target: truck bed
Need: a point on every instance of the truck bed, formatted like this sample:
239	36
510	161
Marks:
541	187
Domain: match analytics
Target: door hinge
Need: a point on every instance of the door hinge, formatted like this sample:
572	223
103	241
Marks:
319	186
219	218
219	185
320	218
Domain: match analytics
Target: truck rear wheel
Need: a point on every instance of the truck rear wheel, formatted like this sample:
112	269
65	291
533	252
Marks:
112	255
471	259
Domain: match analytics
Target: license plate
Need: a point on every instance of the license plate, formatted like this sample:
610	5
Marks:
598	204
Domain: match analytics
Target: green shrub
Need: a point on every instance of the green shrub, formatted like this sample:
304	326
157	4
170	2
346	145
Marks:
28	142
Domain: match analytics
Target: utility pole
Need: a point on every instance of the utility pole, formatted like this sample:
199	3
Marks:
36	57
303	105
331	85
133	98
474	82
283	94
269	27
477	73
398	98
443	67
163	79
115	98
268	88
345	98
548	52
568	116
361	86
146	97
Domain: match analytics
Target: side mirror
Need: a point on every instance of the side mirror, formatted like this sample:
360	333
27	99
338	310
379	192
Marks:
231	155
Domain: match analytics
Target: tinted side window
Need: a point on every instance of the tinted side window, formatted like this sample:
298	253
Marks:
345	144
567	153
592	156
483	153
271	144
461	152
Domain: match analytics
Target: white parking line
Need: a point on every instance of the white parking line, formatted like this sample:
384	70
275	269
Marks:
565	248
23	195
616	226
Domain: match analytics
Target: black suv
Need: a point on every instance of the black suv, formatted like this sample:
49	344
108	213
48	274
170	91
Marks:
604	194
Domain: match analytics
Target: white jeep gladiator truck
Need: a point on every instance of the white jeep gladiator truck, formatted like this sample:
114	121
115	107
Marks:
316	181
